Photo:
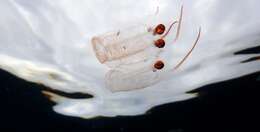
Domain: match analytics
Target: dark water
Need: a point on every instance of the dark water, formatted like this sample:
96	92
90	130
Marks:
227	106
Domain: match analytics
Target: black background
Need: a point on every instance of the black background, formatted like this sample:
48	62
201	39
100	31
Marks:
227	106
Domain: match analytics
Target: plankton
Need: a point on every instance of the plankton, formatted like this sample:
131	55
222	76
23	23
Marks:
133	55
115	48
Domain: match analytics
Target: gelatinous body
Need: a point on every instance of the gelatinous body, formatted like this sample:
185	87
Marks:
123	43
146	56
130	79
133	55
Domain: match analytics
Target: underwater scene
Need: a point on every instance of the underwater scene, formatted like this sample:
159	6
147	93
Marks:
129	65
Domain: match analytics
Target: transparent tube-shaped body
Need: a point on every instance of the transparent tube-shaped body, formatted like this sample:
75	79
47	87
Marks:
130	53
125	46
132	77
148	54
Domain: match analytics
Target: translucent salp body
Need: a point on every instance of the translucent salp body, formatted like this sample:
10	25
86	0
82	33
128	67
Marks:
118	47
129	78
133	55
150	53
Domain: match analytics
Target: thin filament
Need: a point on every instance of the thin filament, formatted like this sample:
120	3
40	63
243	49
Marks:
169	29
187	55
179	25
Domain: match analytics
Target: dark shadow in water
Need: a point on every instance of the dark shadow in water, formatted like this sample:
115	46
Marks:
227	106
253	50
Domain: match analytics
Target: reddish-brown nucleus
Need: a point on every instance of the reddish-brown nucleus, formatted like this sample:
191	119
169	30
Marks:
159	29
158	65
160	43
